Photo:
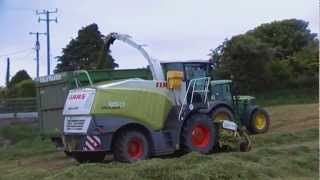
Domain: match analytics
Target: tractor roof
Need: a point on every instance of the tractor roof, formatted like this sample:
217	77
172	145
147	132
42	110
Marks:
223	81
184	61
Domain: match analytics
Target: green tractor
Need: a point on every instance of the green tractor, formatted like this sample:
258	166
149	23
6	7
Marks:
181	109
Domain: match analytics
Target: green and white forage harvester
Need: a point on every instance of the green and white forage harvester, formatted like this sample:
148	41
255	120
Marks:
181	109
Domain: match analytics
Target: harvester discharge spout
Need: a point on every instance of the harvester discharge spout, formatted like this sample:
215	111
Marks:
154	64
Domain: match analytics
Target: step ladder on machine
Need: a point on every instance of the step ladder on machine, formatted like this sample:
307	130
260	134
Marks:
196	86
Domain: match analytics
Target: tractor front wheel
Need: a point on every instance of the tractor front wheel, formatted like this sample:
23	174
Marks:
131	146
259	122
199	134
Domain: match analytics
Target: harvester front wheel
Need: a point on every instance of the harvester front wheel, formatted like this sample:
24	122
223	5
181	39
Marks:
131	146
259	122
199	134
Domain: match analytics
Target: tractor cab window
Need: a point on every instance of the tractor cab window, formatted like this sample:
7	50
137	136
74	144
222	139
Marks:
221	92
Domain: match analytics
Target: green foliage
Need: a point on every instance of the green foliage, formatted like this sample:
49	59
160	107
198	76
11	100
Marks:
245	58
26	88
286	37
276	55
18	77
2	92
21	85
87	51
287	96
24	140
17	132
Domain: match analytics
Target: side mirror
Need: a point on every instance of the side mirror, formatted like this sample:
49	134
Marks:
174	79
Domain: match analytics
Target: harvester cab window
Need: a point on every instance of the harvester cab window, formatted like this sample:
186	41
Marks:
172	67
195	70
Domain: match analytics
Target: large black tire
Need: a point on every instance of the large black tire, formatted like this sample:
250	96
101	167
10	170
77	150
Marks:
89	157
259	122
199	134
131	146
222	113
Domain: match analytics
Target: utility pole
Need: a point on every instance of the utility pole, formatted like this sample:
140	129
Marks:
8	72
37	48
48	20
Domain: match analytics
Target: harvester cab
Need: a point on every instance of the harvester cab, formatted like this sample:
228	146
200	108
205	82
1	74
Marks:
180	109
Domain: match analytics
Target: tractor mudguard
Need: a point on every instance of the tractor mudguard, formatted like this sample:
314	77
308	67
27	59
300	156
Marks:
245	117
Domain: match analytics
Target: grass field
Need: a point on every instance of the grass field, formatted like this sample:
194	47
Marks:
288	96
288	151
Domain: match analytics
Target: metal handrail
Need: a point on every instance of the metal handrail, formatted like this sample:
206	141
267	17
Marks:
86	73
192	94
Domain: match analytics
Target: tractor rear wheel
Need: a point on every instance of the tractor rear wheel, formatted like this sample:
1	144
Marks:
199	134
89	157
259	122
222	113
131	146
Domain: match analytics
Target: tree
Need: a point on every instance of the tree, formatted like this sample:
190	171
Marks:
18	77
244	58
280	54
87	51
286	37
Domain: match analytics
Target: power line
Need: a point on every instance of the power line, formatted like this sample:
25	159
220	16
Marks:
47	20
15	52
23	57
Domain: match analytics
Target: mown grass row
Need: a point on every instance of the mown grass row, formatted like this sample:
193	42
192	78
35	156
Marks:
295	158
278	155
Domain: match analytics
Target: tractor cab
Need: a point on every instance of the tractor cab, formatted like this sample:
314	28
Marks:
221	90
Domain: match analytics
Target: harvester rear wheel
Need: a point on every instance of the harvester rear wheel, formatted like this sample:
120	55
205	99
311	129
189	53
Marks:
131	146
199	134
89	157
259	122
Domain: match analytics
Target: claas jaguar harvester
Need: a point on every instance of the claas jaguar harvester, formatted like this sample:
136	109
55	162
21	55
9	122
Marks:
181	109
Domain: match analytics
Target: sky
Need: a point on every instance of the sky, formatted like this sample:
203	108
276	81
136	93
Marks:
172	30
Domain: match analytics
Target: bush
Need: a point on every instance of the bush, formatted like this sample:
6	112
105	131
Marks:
26	88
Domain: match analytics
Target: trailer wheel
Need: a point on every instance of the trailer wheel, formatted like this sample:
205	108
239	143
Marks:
131	146
89	157
259	121
222	113
199	134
